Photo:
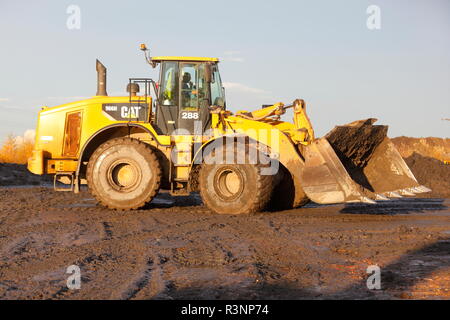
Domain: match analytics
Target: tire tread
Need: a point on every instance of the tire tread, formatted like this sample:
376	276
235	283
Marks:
154	163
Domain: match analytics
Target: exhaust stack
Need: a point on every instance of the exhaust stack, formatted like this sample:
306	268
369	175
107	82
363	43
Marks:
101	79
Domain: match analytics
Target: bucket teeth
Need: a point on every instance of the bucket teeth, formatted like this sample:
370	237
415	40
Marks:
422	188
367	200
379	196
393	194
405	192
419	189
414	190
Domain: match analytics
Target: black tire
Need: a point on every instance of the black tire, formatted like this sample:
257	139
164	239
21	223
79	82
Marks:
235	188
124	174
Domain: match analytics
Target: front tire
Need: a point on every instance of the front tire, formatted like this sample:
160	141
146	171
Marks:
124	174
235	188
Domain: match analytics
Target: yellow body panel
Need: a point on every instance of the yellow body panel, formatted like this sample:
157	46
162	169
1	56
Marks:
54	166
50	131
36	162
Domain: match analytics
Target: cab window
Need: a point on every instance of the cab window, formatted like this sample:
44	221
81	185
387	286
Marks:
217	92
169	84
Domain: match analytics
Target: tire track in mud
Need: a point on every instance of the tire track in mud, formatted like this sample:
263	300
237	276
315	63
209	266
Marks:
140	283
108	234
149	283
111	240
160	226
61	293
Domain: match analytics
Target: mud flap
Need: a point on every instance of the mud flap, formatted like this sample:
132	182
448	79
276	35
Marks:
356	163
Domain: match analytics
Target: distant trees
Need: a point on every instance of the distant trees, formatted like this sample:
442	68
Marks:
16	150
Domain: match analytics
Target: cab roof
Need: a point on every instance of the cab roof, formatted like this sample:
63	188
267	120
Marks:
173	58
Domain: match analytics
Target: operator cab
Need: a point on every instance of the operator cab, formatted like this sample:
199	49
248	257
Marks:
188	88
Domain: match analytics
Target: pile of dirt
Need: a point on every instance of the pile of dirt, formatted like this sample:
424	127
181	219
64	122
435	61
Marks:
432	173
355	145
12	174
425	157
437	148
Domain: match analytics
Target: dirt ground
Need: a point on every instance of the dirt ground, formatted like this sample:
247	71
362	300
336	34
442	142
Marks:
178	249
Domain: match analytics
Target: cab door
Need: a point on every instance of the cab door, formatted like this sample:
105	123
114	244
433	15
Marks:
168	100
184	98
194	98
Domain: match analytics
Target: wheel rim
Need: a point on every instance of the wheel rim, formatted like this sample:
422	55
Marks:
124	175
228	183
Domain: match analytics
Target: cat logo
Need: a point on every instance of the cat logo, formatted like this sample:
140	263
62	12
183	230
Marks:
129	112
125	111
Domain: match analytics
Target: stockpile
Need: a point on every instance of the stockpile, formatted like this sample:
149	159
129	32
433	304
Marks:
432	173
425	157
438	148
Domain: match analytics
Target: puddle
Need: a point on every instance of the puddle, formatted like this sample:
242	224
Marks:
162	201
317	205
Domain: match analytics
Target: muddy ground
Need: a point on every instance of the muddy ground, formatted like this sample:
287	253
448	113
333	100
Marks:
178	249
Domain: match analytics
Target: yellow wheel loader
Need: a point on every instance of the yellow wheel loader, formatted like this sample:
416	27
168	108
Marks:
177	134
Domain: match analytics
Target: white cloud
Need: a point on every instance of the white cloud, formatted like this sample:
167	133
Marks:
233	59
235	86
28	136
232	56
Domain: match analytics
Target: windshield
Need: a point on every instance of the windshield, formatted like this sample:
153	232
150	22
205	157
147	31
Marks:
217	91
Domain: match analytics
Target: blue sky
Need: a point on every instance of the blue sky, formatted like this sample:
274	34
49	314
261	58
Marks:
321	51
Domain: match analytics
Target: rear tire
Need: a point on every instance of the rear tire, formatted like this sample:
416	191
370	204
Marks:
235	188
124	174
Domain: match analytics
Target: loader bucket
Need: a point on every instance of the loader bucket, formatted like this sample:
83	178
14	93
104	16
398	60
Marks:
356	162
